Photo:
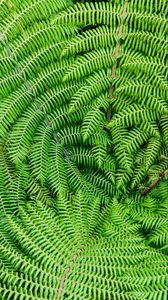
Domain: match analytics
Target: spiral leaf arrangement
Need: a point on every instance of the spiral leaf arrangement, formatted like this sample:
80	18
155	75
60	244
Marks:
83	149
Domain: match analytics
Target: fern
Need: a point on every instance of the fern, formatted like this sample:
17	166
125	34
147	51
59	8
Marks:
83	149
88	63
151	214
90	13
39	161
55	266
57	172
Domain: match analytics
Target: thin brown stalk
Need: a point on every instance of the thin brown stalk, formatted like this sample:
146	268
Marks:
120	33
155	182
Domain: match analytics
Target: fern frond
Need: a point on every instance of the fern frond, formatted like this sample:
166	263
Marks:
79	181
159	236
152	217
154	6
90	62
57	96
134	114
76	180
123	178
150	22
151	66
27	68
61	116
39	193
72	136
125	158
91	122
64	207
80	216
11	108
99	154
37	36
164	127
6	168
13	105
135	139
99	180
22	134
83	150
152	152
93	214
57	169
17	193
109	167
139	175
150	156
156	101
83	156
102	36
39	159
55	245
90	13
29	11
94	86
150	128
4	205
155	44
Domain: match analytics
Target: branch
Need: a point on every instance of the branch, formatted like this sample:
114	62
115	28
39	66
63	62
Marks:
155	182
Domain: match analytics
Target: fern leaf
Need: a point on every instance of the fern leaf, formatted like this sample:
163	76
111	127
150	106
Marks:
17	189
123	178
39	159
90	62
102	36
65	209
134	115
83	134
90	13
37	36
98	180
164	127
91	122
51	253
57	170
134	140
38	192
152	152
80	214
22	134
95	85
37	10
7	168
93	214
82	156
99	154
150	22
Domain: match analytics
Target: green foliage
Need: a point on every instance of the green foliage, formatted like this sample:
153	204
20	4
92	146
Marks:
66	253
83	149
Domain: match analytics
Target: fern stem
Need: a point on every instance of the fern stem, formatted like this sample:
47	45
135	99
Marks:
155	182
120	33
64	275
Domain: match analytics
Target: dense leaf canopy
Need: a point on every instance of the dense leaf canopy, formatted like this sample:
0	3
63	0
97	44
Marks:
83	149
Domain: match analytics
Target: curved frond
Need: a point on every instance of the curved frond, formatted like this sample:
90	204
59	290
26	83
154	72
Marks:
83	149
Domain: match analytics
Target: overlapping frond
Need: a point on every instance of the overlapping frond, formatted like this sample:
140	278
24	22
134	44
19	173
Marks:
83	149
64	257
